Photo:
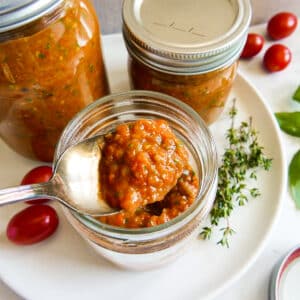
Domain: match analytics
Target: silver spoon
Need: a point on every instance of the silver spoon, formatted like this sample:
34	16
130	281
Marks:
75	182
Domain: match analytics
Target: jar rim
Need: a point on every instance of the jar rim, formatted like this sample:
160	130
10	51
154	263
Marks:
17	13
164	101
181	55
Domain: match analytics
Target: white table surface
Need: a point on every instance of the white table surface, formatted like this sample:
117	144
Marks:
277	90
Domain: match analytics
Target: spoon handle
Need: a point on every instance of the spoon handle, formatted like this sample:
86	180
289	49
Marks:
25	192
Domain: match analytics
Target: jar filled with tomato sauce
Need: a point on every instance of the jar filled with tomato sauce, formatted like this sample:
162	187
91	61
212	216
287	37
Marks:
187	49
51	66
140	117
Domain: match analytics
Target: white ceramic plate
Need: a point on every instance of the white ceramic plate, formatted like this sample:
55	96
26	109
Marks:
63	267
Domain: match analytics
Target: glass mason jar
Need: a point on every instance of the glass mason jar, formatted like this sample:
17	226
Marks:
51	66
149	247
187	49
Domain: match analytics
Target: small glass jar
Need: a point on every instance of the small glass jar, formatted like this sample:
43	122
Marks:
51	66
149	247
187	49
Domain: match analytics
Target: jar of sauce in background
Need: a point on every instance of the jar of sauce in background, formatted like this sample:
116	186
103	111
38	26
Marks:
51	66
187	49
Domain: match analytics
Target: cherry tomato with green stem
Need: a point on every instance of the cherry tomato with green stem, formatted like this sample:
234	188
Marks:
37	175
253	46
32	225
277	58
282	25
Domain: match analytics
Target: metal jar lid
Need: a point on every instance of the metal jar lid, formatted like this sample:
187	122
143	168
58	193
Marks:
284	281
186	36
16	13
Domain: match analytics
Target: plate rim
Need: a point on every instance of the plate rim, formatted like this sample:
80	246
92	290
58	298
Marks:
279	203
279	206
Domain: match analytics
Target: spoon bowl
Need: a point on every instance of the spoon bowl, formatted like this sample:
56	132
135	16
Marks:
75	181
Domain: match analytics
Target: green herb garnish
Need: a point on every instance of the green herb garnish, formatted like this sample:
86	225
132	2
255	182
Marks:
41	55
91	68
289	122
294	178
241	161
296	95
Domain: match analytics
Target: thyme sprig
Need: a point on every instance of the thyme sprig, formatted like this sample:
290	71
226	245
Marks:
240	162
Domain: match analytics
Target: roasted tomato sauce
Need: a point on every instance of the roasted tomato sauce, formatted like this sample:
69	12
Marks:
47	77
145	171
205	93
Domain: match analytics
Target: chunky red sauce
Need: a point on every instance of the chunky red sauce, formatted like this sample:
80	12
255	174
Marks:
145	171
205	93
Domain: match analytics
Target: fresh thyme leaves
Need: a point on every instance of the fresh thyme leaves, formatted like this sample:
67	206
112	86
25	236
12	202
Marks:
240	162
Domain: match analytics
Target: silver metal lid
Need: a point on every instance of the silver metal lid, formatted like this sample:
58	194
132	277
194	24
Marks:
190	36
16	13
284	280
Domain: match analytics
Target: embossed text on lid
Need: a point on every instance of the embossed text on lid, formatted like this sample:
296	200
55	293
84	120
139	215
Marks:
186	30
186	23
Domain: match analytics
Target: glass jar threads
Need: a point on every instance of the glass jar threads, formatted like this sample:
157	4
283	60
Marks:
51	66
187	49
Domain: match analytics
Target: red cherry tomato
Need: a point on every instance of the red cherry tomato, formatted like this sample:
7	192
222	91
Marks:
282	25
253	45
277	58
33	224
37	175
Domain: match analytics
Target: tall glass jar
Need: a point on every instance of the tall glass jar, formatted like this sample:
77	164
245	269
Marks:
51	66
187	49
144	248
